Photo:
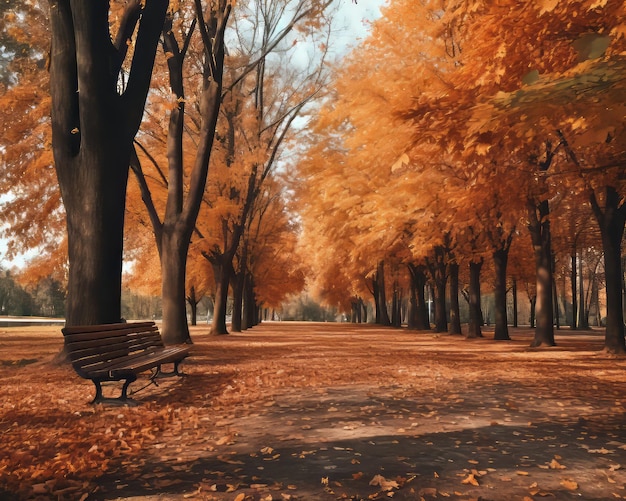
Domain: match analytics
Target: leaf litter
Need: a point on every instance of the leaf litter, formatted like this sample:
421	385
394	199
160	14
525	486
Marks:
373	413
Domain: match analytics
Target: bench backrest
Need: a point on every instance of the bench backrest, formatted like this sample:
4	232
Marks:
94	347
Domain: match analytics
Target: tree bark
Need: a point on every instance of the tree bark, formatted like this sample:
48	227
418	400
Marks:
250	308
500	260
475	312
533	305
418	309
222	274
611	221
380	296
93	127
455	316
573	278
193	305
174	329
438	272
539	227
238	292
514	291
583	321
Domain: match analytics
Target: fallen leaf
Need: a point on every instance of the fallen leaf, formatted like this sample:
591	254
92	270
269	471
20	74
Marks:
569	484
384	484
470	479
555	465
600	451
240	497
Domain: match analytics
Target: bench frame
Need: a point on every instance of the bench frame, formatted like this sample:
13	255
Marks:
119	352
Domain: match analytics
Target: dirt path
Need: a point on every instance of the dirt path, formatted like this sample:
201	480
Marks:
324	412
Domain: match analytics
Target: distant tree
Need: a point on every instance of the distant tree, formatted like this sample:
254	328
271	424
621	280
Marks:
14	300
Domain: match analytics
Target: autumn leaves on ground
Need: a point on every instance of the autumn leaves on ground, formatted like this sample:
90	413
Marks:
320	412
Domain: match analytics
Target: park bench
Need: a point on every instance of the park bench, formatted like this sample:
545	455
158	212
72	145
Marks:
116	352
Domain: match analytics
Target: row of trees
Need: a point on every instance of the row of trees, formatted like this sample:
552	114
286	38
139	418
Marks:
46	298
459	133
465	132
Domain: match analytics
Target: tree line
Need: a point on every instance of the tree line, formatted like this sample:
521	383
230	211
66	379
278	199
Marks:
468	144
464	145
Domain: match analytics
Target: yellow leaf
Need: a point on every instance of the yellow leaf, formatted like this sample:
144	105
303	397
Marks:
240	497
548	6
470	479
384	484
569	484
555	465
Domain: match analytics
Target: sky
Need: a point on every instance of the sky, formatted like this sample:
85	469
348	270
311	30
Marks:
354	19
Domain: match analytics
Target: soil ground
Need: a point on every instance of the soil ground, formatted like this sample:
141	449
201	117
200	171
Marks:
301	411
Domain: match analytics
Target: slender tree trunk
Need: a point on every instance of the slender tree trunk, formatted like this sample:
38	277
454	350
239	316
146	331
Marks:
583	322
475	314
222	280
396	308
573	278
438	270
533	305
364	311
249	305
515	315
238	292
611	221
193	305
455	316
500	260
555	295
382	316
539	227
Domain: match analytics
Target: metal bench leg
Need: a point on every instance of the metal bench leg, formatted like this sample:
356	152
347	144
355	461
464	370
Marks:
98	398
160	374
121	400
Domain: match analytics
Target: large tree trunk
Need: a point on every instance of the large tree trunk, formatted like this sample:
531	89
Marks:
539	227
438	272
500	260
611	221
455	316
174	328
418	309
475	311
93	127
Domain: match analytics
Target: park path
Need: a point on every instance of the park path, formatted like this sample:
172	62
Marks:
338	411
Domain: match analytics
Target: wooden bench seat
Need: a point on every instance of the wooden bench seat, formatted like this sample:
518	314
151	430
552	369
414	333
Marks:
119	352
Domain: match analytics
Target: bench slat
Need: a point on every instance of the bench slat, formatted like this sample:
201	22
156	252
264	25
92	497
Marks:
72	335
140	364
